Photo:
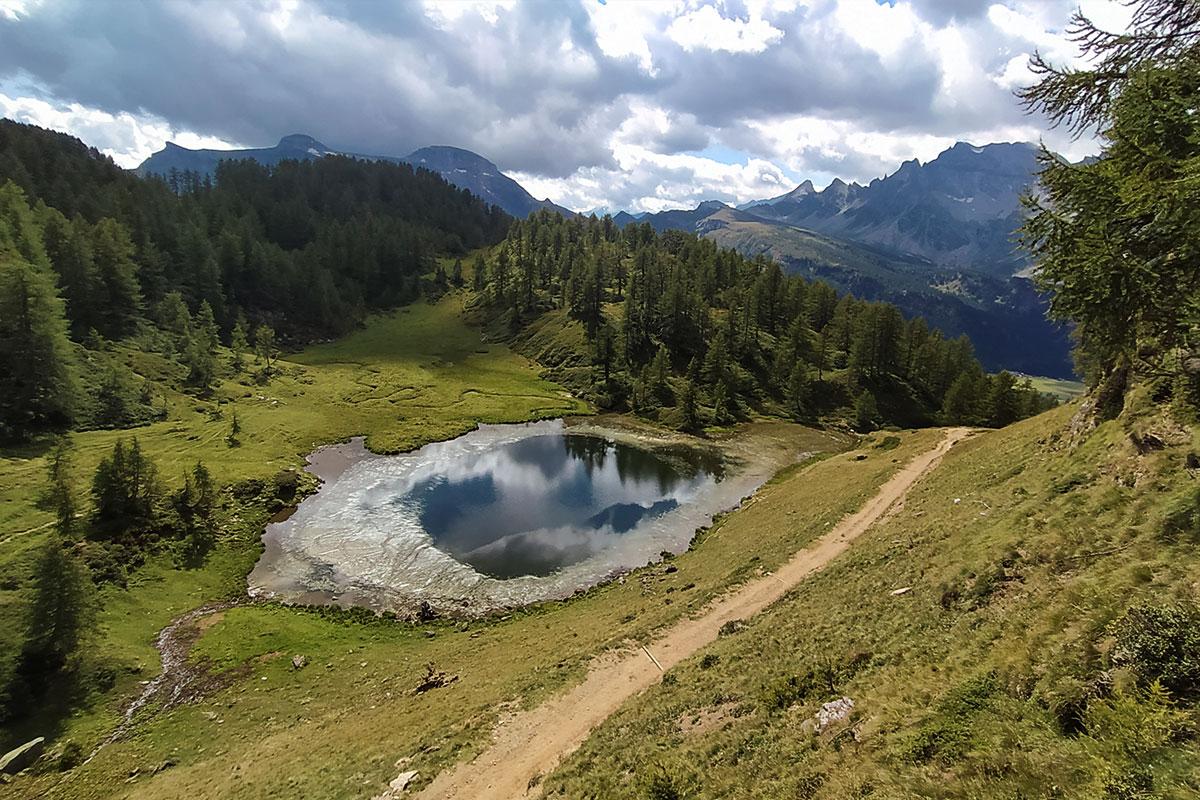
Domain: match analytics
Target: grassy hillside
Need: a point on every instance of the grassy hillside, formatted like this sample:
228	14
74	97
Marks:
983	636
1002	662
440	382
337	727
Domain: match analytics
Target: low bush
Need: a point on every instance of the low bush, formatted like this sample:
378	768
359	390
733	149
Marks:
1161	643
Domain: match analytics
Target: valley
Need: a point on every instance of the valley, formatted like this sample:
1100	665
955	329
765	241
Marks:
344	476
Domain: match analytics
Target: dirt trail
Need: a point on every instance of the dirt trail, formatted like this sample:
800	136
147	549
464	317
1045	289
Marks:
531	743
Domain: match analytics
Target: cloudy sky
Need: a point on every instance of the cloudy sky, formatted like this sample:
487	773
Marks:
625	104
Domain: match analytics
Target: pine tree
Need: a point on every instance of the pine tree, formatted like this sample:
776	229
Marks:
688	409
478	273
59	611
264	346
722	405
176	320
1113	237
235	428
660	373
866	412
194	505
239	344
69	250
799	390
199	354
960	406
125	494
120	296
35	356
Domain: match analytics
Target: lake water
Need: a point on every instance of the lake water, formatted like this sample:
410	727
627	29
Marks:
536	505
503	516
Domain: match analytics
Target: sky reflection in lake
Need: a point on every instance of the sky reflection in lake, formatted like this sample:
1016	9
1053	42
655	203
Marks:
533	506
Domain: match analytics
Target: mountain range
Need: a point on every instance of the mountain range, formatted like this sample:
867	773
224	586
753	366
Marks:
959	210
462	168
934	239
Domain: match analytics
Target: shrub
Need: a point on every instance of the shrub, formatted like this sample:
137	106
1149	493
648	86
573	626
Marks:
808	784
660	784
1162	643
947	736
709	661
286	483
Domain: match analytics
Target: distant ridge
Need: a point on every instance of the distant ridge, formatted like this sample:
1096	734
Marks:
958	210
934	239
462	168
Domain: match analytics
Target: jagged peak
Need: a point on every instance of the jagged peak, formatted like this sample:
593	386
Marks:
803	189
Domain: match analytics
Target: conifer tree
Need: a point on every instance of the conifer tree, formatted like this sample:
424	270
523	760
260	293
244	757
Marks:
199	354
239	343
722	404
960	406
264	346
115	270
866	411
35	355
125	493
59	610
1114	237
799	390
688	407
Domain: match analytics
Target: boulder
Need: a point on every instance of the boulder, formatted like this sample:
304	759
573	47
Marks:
14	761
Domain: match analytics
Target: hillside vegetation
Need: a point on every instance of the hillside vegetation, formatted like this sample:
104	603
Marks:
681	331
1042	644
409	378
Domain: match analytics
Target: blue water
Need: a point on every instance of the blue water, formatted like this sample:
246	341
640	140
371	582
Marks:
534	506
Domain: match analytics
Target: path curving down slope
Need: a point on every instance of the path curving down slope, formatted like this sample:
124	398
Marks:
529	744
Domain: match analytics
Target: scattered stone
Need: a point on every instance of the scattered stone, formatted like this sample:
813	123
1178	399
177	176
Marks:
299	661
16	760
861	457
834	711
898	592
434	679
731	627
671	568
430	634
402	781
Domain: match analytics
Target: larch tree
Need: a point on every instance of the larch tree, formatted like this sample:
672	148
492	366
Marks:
1117	239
